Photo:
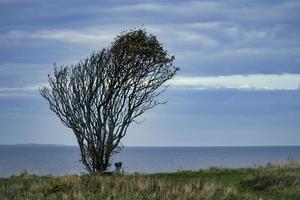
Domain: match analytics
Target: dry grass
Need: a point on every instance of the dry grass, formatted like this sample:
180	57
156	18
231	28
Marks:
271	182
276	180
115	187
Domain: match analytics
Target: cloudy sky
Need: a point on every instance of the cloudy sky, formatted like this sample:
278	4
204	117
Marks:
239	78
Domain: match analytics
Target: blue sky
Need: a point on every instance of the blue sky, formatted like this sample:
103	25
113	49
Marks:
239	78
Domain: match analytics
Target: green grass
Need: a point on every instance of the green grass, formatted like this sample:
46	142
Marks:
270	182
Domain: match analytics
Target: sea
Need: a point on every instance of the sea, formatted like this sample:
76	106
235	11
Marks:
61	160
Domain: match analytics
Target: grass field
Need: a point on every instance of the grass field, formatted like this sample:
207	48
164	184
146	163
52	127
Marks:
270	182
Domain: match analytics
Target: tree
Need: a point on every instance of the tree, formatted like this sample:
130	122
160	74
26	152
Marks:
100	96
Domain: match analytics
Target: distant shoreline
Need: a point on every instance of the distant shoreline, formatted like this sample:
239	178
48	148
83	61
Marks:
69	145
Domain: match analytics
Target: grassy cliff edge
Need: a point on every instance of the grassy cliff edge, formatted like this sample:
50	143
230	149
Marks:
269	182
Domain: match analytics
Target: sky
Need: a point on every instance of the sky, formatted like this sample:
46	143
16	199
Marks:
239	78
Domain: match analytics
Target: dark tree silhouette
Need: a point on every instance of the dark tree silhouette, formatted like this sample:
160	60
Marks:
101	95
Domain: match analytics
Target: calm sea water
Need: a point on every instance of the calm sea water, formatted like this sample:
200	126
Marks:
59	160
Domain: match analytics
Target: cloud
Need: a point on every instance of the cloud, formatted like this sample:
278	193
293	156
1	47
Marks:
216	44
205	25
253	34
265	12
76	36
198	39
139	7
264	82
25	88
29	90
71	36
14	1
240	82
170	7
251	12
230	61
206	37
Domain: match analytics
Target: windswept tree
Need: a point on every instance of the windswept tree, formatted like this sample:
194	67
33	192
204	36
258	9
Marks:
100	96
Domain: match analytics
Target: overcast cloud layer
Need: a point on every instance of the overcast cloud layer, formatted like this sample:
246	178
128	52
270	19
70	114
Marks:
239	78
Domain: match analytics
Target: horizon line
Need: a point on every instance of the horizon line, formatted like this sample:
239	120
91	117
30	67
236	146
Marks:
181	146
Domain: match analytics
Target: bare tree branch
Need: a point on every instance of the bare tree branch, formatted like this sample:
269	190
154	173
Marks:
100	96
